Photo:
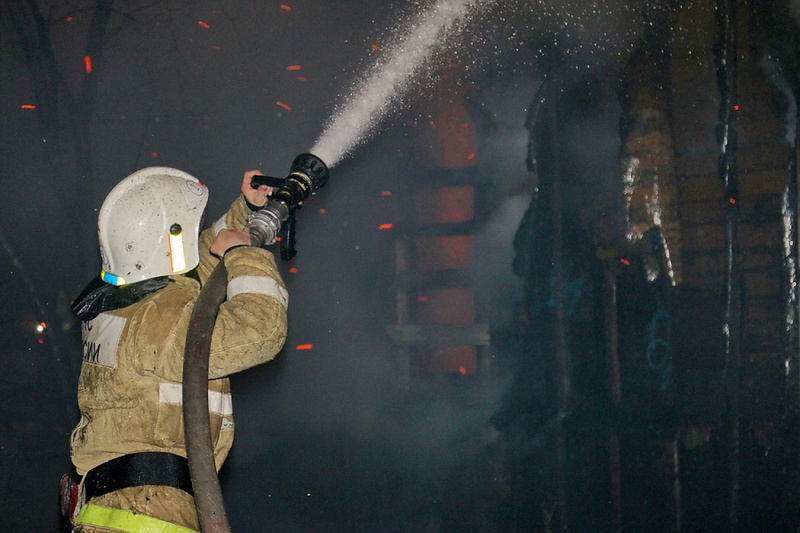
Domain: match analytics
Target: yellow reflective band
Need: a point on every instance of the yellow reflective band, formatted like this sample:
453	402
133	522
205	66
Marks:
258	285
111	279
177	259
119	520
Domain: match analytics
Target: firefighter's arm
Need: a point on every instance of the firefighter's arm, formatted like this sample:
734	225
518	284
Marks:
251	325
235	219
229	238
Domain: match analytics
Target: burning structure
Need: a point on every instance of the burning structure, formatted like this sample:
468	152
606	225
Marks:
656	338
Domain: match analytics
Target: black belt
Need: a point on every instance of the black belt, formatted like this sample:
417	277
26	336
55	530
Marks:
137	469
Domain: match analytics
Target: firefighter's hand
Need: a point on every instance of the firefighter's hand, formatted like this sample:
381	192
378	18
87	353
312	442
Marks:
228	238
256	197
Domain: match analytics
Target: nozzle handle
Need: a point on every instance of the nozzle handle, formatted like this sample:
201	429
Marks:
258	181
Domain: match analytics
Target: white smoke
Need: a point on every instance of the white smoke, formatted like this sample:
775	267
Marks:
777	76
498	288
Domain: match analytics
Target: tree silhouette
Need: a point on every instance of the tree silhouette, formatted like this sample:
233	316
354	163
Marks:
64	104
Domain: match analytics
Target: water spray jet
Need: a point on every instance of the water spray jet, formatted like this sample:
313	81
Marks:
374	97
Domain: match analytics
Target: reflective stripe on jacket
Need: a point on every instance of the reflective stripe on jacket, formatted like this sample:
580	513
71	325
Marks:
119	520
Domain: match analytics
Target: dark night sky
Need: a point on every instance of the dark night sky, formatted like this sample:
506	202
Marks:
208	100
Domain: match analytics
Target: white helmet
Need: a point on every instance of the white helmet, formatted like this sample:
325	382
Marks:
149	225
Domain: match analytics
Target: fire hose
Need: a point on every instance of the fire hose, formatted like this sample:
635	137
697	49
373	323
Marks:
307	174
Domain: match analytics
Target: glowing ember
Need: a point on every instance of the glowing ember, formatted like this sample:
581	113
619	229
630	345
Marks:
285	106
27	106
87	63
293	67
625	262
203	24
386	193
305	346
385	226
293	270
285	7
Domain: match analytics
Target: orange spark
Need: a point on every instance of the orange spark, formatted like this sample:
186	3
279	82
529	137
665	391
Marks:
625	262
375	47
301	78
423	299
87	63
385	226
293	67
154	154
285	106
462	370
471	156
293	270
386	193
285	7
732	200
203	24
27	106
305	346
736	108
322	211
70	19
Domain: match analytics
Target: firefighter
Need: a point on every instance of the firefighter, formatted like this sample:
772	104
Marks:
129	444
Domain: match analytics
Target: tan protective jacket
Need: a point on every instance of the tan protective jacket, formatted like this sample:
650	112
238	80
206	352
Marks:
129	390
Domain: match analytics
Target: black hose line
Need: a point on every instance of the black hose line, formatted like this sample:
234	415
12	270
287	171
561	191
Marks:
308	173
197	424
